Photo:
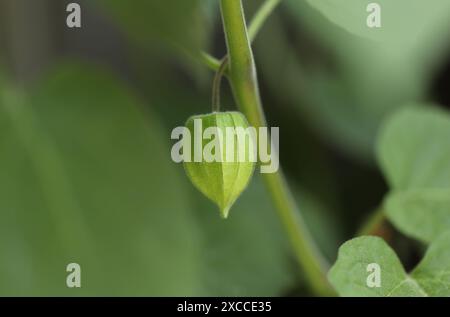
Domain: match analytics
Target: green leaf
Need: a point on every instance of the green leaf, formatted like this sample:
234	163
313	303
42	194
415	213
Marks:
414	155
433	272
350	273
413	149
225	178
423	214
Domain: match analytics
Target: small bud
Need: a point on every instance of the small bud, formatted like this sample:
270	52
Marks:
223	156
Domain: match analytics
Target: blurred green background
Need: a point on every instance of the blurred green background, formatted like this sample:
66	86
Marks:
85	121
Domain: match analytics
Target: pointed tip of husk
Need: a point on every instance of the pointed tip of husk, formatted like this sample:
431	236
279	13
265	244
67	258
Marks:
224	212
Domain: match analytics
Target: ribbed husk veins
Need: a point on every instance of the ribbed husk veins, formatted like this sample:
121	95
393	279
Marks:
224	179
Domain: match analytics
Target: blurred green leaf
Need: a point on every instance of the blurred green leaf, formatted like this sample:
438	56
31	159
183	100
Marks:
413	149
178	24
87	178
350	273
246	255
80	163
414	154
325	224
423	213
404	23
342	84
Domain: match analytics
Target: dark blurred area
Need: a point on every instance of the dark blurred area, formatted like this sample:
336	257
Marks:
85	167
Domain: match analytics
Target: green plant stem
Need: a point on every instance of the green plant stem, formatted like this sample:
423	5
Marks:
217	83
255	26
373	223
260	17
244	83
210	61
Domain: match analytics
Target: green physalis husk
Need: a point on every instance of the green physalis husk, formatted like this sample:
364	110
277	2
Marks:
224	180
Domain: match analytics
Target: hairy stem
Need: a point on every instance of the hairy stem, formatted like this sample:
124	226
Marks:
244	83
255	26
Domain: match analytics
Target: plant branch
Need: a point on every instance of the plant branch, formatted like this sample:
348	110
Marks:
217	83
255	26
260	17
244	83
210	61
